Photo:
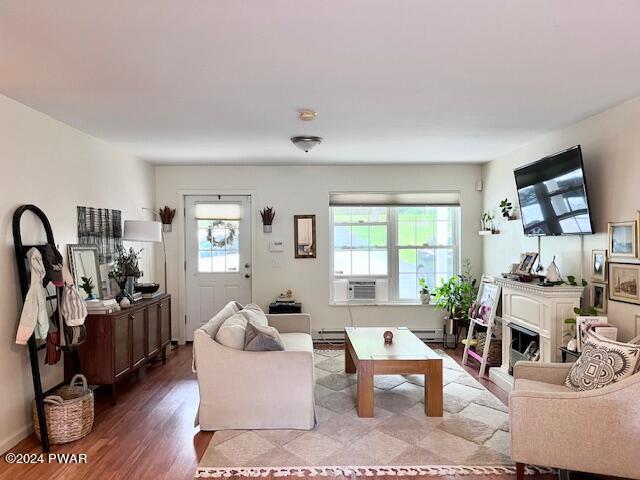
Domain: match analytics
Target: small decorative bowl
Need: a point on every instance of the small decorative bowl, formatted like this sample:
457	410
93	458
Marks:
147	287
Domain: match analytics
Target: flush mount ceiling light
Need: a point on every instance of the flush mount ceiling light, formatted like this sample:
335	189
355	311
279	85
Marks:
306	143
307	115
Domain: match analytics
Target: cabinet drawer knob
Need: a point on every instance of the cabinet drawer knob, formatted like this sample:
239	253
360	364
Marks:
133	317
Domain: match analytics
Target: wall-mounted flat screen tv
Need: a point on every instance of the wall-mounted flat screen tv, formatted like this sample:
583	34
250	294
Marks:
553	195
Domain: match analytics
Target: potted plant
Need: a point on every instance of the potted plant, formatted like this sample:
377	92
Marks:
456	295
425	294
166	217
268	214
487	222
87	286
506	207
125	271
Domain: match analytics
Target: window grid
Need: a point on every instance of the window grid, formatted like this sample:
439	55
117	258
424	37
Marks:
433	242
215	259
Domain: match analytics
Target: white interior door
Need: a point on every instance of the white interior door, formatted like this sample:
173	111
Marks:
218	255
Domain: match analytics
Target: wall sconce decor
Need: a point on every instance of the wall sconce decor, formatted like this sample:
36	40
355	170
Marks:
166	216
267	214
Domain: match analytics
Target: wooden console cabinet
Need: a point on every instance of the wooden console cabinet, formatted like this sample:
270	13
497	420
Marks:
119	343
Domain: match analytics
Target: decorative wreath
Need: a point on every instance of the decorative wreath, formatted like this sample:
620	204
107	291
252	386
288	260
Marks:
228	240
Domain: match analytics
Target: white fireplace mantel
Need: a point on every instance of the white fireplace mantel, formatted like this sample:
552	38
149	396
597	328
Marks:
539	309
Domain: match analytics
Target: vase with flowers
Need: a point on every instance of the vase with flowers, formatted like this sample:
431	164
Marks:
126	270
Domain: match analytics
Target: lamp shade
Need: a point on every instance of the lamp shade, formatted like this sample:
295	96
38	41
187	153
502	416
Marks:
142	231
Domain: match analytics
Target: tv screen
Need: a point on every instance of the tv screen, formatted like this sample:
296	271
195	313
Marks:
553	195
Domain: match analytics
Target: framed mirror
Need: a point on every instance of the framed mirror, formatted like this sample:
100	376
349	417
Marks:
304	236
83	260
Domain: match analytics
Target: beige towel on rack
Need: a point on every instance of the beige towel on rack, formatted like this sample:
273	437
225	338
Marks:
34	311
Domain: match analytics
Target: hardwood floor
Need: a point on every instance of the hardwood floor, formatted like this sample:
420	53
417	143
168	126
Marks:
149	434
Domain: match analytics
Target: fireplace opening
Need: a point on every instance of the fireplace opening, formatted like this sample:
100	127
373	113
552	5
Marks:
525	345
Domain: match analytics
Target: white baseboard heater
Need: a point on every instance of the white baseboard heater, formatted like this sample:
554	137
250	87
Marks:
336	335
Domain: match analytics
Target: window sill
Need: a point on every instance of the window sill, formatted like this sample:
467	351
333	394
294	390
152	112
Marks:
380	304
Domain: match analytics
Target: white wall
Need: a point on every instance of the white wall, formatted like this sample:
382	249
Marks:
611	148
57	168
305	190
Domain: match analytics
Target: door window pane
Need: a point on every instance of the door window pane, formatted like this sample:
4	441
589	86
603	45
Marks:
218	246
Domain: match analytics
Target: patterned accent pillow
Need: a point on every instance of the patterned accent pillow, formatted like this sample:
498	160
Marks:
602	362
261	338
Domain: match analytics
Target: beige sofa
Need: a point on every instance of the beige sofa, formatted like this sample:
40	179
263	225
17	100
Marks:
596	431
256	390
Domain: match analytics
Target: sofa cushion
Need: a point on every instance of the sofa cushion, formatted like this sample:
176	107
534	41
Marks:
297	342
524	384
602	362
253	313
231	333
212	326
260	338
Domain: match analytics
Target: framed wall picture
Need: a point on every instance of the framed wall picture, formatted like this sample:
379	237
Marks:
599	265
304	232
599	297
623	239
624	282
527	260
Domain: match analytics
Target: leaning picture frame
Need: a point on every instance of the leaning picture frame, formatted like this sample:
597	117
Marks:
527	260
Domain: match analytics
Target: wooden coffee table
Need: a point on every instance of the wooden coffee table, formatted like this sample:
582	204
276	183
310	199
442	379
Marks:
366	354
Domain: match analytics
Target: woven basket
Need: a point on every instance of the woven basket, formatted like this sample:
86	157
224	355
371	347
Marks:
69	412
495	349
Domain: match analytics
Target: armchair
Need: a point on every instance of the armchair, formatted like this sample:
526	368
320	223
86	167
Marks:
596	431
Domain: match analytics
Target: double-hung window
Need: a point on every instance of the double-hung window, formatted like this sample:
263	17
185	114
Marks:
395	240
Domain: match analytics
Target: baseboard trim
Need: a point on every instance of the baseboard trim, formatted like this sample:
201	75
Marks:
16	438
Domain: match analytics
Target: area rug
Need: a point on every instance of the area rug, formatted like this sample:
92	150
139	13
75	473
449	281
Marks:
471	438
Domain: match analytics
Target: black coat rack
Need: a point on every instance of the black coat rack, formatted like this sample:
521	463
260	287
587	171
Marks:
21	256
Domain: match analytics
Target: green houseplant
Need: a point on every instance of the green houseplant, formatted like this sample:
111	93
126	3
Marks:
425	294
87	286
456	295
126	270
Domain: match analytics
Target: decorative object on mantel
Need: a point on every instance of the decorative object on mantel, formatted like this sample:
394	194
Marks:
267	214
506	207
527	260
166	217
388	337
624	282
599	265
553	273
623	239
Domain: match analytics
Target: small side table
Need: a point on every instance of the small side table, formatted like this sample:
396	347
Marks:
564	351
285	307
458	325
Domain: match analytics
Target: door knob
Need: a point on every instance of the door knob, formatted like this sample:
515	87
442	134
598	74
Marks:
246	275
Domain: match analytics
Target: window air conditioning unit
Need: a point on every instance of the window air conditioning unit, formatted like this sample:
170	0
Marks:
362	290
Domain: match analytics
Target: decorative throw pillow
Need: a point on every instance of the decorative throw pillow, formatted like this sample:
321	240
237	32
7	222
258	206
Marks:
231	332
253	313
212	326
602	362
261	338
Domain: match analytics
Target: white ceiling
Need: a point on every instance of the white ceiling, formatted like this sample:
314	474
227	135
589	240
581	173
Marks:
219	81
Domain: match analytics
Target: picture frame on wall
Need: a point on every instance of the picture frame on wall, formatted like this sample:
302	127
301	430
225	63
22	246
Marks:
599	297
623	239
624	282
599	265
